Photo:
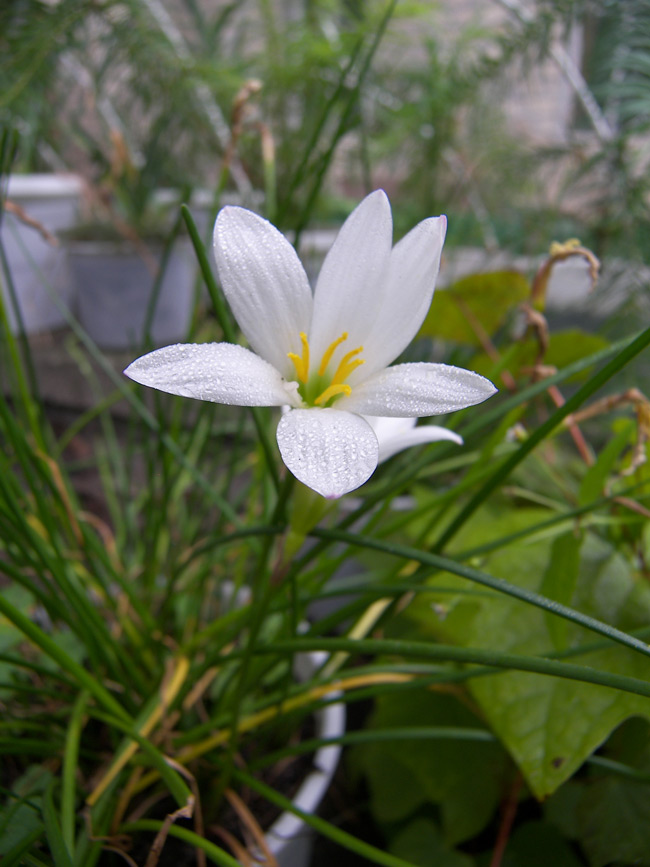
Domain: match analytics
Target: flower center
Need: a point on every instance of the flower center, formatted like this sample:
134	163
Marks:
322	388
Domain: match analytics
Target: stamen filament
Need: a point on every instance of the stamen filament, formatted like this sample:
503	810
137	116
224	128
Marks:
301	363
329	352
346	365
331	391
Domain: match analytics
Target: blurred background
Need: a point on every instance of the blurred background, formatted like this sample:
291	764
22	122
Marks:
519	119
525	122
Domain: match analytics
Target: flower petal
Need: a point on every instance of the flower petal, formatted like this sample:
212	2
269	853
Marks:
265	284
219	372
412	272
396	434
331	452
348	291
418	390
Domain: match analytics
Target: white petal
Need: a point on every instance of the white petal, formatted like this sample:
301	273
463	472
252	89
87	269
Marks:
387	428
348	292
396	434
331	452
265	284
418	390
219	372
412	271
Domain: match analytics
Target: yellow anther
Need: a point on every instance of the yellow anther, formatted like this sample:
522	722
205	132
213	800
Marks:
332	391
301	363
329	352
346	365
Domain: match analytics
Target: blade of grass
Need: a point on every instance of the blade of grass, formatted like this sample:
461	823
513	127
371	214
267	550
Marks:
52	649
347	841
214	853
373	736
466	655
69	772
58	848
18	852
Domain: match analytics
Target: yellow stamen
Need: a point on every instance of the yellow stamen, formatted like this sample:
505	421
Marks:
329	352
301	363
332	391
346	365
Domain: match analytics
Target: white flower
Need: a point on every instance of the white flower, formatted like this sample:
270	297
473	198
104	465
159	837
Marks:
326	355
396	434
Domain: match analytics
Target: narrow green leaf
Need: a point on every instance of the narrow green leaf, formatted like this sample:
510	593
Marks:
617	363
53	832
445	564
594	480
559	582
363	850
68	778
466	655
214	853
176	785
52	649
17	852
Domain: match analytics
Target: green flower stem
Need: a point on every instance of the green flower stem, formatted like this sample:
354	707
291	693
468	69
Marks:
444	564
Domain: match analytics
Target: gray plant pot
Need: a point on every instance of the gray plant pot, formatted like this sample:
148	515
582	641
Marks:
39	268
115	285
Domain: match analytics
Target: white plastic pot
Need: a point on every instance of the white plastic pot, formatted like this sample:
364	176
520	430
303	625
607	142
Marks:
39	269
114	286
290	839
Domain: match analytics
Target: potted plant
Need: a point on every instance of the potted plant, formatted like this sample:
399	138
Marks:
36	208
134	271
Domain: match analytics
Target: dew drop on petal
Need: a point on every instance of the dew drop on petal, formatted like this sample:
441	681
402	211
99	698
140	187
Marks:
330	451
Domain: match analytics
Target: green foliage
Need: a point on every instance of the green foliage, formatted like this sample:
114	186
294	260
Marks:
420	843
148	633
549	726
483	299
538	844
608	812
405	775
